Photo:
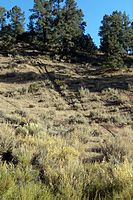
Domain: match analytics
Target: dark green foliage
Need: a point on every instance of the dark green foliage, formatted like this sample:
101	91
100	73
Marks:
114	61
17	18
41	20
2	17
57	27
5	31
71	26
131	34
56	24
85	43
115	37
11	26
7	39
114	33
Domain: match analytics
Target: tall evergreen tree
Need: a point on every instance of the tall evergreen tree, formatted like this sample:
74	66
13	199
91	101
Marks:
68	26
115	29
115	37
131	35
72	25
40	20
2	17
5	31
11	25
17	19
57	23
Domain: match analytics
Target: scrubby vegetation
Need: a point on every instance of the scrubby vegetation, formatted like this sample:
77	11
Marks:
65	134
40	166
66	107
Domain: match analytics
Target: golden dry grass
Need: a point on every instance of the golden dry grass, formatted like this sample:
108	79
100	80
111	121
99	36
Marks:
66	130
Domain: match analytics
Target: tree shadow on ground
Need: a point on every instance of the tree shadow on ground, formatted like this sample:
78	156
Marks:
73	83
19	77
96	84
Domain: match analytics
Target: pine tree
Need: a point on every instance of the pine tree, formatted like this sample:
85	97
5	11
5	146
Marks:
57	23
115	28
40	20
2	18
115	37
31	25
17	18
69	25
72	26
5	32
11	25
131	35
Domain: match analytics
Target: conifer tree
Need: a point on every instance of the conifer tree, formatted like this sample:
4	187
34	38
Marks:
115	37
131	35
17	18
72	25
40	20
11	25
2	17
5	32
57	23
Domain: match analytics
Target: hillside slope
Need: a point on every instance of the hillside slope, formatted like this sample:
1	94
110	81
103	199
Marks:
76	105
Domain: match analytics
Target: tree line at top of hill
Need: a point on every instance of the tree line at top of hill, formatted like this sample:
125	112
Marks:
58	26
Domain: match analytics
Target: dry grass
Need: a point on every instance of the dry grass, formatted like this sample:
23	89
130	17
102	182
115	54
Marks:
65	133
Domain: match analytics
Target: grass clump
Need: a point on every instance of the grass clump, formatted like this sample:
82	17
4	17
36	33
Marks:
21	183
29	129
33	88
